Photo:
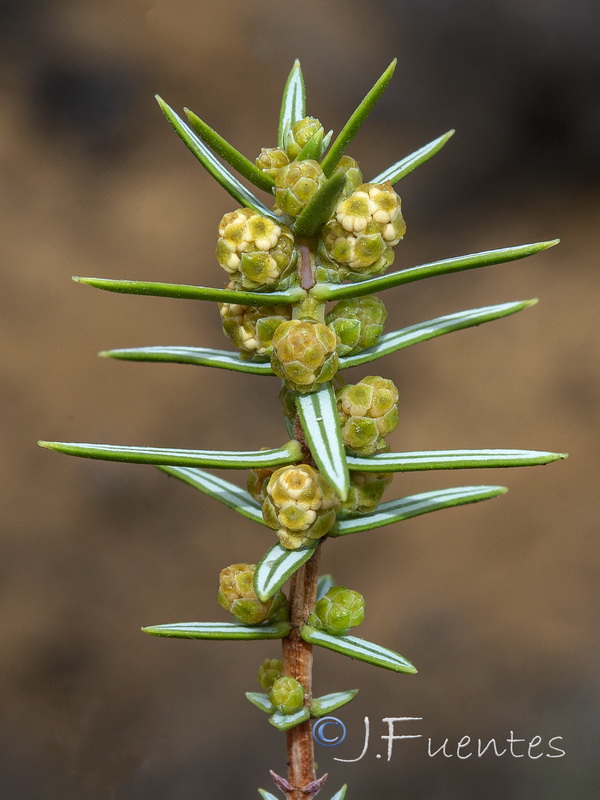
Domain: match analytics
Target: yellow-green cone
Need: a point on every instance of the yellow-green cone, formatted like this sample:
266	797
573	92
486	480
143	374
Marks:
368	412
287	695
300	505
366	491
236	594
358	323
251	328
365	227
271	160
339	610
296	184
300	134
268	672
304	354
256	251
258	479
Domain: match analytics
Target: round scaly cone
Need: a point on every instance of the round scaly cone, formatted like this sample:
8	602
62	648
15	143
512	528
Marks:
268	672
364	228
358	323
368	412
300	134
304	354
257	252
287	695
296	184
365	492
271	159
236	594
300	505
258	478
338	610
349	166
251	328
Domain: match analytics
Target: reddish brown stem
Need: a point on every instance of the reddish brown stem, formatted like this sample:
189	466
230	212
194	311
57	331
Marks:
297	662
305	267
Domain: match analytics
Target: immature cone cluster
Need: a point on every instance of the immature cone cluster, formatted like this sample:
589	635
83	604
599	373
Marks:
368	411
251	328
358	323
268	672
256	251
287	695
365	227
365	492
300	505
236	594
339	610
304	354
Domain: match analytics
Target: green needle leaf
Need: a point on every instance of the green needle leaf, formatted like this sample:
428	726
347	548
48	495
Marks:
292	103
320	207
423	331
283	722
261	701
219	630
402	168
341	795
187	292
277	566
227	152
451	459
414	506
319	418
324	584
359	649
213	166
267	795
331	291
225	492
224	459
321	706
201	356
351	128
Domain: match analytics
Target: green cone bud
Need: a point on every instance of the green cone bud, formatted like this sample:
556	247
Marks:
366	491
268	672
296	184
236	594
271	160
258	479
300	505
353	174
256	251
251	328
304	354
300	134
358	322
287	695
368	412
339	610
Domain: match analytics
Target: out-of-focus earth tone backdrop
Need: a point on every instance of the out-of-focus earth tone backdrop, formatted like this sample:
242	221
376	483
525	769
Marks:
496	603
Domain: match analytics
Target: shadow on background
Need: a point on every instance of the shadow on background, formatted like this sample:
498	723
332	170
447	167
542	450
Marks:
495	603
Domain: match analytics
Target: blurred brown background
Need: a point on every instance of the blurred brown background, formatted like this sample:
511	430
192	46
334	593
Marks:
496	603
